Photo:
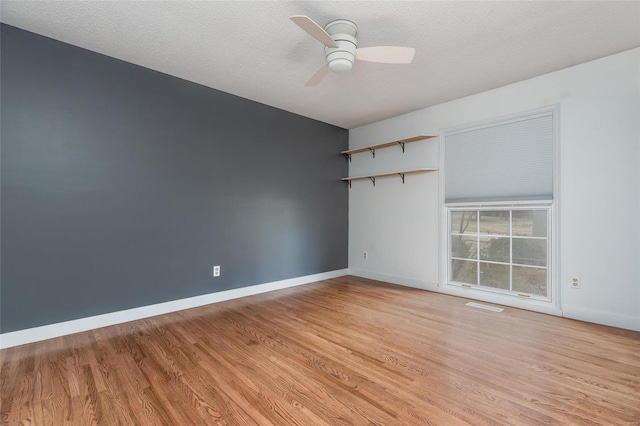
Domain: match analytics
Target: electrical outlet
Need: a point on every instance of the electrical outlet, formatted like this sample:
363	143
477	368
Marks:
365	255
575	282
216	271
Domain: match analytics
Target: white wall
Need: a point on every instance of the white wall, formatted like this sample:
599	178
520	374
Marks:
599	104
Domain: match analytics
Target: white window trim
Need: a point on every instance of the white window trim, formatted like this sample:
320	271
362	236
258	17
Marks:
554	306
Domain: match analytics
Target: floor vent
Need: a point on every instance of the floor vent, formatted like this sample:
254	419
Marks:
486	307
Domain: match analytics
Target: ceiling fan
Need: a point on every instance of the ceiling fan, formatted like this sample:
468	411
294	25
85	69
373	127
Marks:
341	47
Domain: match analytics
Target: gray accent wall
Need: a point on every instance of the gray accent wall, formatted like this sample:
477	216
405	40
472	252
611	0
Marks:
123	187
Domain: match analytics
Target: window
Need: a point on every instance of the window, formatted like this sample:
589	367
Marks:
501	249
499	190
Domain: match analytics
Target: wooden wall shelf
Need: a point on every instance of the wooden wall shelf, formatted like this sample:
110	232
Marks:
372	177
372	148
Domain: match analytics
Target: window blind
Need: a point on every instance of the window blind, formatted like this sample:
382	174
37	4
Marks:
507	161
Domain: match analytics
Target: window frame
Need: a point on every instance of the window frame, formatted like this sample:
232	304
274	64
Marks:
480	207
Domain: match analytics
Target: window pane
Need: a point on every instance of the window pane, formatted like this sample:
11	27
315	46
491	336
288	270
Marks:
530	280
496	249
527	251
464	222
530	223
464	271
495	222
496	276
464	247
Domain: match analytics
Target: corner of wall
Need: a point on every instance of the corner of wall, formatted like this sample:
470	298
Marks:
394	279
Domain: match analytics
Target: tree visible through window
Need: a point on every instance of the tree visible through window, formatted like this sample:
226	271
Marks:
500	249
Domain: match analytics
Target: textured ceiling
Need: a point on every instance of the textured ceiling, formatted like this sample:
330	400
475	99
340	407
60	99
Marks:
251	49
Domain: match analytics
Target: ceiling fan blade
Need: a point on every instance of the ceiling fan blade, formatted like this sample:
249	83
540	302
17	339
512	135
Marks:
318	76
386	54
313	29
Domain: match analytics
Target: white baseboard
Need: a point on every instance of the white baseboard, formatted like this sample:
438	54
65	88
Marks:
44	332
393	279
544	308
602	317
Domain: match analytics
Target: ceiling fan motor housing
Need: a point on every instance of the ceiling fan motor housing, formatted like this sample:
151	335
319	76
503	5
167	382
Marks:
343	32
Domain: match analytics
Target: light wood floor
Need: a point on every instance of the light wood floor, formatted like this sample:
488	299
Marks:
347	351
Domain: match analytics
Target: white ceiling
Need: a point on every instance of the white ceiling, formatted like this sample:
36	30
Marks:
251	49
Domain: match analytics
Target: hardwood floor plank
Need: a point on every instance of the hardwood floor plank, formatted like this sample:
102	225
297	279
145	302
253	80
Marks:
342	369
346	351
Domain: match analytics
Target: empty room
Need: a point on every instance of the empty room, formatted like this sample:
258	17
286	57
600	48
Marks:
320	213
